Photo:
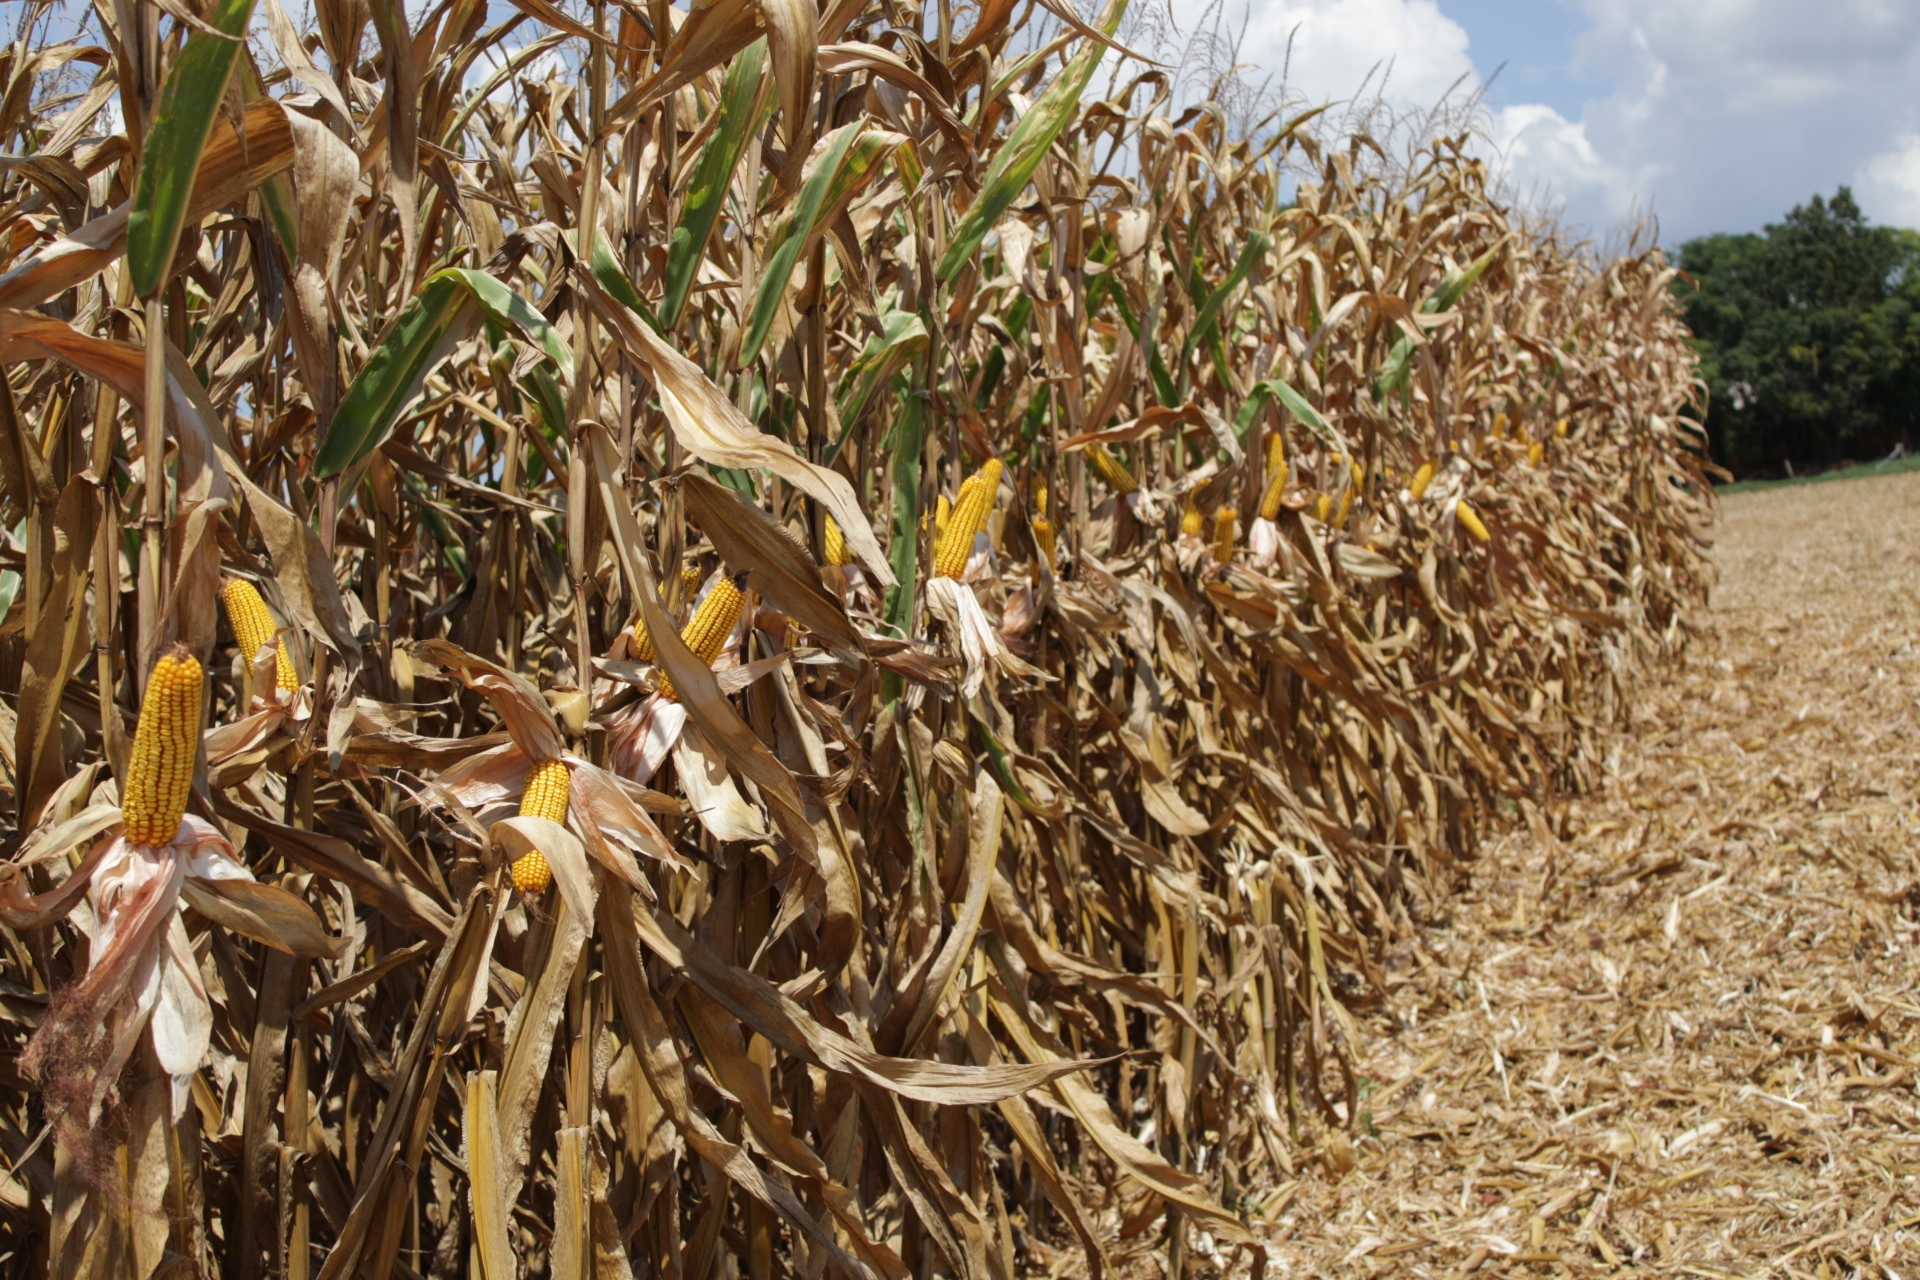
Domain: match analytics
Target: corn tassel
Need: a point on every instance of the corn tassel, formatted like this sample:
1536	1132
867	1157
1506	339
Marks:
545	797
1470	521
253	626
969	517
707	631
836	544
1421	479
153	797
1113	471
1224	520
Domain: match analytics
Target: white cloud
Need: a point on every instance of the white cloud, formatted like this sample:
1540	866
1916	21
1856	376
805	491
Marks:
1725	113
1891	182
1716	114
1337	43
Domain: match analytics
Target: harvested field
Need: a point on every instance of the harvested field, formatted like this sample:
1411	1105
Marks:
1679	1030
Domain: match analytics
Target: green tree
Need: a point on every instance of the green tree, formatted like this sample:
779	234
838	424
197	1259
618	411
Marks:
1809	336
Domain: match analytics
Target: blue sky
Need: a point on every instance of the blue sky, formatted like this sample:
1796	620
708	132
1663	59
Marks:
1717	115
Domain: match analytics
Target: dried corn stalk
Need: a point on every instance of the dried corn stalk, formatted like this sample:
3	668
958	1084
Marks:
1031	829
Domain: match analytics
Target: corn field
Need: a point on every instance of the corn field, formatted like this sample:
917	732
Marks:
878	712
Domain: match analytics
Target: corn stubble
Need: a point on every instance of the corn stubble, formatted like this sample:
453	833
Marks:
1025	934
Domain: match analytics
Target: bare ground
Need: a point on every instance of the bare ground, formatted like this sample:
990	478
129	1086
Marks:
1681	1036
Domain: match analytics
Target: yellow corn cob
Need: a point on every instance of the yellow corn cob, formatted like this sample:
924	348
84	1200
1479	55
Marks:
1346	505
1500	425
836	543
1470	520
1040	494
545	797
707	631
689	580
153	796
253	626
1224	520
942	512
1535	452
1276	453
1560	429
968	518
1191	521
1043	536
1276	490
1421	479
1113	471
642	642
1322	508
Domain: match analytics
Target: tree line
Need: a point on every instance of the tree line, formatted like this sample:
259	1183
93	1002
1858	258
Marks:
1809	338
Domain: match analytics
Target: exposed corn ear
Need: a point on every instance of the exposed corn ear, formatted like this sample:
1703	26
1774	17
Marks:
1323	508
1560	429
690	576
1040	493
253	626
1535	452
1276	453
545	797
707	631
1225	518
1421	479
968	518
1191	521
153	797
642	642
1500	425
1043	536
1113	471
1275	492
1470	520
836	544
1346	507
942	512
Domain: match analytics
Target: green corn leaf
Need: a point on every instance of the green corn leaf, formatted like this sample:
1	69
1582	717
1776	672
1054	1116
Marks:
1393	375
850	156
448	308
1014	164
903	547
181	125
712	175
1256	247
902	336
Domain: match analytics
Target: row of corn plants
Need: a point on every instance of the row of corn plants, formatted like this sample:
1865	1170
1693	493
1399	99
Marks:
761	640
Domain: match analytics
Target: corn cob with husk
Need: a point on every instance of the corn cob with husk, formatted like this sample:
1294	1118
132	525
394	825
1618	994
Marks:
1470	520
1225	520
1044	537
253	626
153	796
1192	523
1113	471
548	785
1276	487
969	517
707	631
836	544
